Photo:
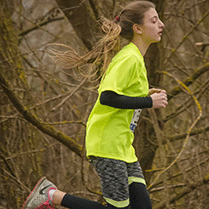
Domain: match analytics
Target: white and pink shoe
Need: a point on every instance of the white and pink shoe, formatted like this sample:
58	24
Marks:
40	198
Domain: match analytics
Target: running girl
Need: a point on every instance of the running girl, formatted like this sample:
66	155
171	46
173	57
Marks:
123	92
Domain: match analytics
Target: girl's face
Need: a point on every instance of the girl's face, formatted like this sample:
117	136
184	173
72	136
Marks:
151	29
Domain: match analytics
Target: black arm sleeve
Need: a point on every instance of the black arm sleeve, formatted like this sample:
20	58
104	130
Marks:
112	99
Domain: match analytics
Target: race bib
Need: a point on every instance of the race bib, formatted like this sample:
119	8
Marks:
135	119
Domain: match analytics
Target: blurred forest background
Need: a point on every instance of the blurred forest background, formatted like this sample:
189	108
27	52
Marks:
44	108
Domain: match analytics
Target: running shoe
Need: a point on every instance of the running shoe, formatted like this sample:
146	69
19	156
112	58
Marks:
39	197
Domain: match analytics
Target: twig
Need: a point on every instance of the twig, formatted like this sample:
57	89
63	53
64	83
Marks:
183	192
39	26
73	92
65	122
187	103
188	81
159	136
33	119
188	132
30	151
186	36
75	7
170	186
203	45
16	179
176	175
192	133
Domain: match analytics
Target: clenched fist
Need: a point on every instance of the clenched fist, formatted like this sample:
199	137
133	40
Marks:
159	98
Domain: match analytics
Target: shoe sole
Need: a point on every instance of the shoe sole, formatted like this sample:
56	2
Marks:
33	192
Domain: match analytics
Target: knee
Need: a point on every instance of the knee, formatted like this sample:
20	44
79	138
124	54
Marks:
109	206
145	205
148	205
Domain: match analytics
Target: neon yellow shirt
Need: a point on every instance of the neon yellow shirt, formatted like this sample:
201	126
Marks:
108	131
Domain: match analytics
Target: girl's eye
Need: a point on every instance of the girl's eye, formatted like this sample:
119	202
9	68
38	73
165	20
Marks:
154	20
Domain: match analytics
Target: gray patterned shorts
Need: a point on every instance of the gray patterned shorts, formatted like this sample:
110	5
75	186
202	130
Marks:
116	176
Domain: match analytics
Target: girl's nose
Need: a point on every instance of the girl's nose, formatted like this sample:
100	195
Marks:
161	24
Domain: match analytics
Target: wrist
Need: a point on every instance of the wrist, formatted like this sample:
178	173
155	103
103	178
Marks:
150	101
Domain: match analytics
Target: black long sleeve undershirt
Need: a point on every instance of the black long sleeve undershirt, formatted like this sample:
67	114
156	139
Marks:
112	99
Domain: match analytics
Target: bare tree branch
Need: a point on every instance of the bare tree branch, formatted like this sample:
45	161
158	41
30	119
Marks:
30	117
189	80
193	132
187	35
202	45
187	90
187	103
183	192
40	25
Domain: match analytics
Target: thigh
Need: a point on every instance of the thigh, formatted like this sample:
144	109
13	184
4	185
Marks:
135	173
114	180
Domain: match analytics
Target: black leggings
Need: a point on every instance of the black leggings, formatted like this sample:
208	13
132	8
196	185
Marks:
139	199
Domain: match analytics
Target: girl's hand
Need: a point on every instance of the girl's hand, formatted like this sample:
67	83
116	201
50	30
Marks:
153	90
159	99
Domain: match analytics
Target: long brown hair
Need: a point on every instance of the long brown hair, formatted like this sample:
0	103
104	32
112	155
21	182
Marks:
121	26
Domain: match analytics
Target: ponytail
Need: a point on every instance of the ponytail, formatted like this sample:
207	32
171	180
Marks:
101	52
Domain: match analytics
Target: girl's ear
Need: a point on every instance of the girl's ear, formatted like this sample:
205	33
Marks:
137	29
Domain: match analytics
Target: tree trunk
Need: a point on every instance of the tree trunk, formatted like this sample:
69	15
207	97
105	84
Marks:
81	17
